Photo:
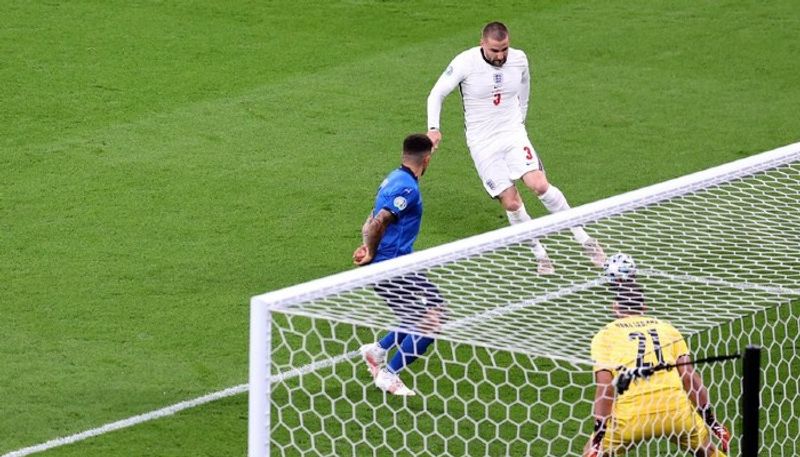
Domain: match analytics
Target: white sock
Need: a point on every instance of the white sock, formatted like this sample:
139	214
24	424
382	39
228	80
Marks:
555	201
519	216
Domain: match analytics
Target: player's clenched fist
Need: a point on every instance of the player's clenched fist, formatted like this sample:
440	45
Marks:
435	137
362	256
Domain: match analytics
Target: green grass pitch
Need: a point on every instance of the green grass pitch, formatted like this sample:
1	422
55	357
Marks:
161	162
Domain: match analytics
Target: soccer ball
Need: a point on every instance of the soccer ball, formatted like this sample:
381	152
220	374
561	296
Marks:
620	267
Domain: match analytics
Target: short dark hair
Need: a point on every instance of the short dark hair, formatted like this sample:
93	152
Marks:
629	296
417	145
496	31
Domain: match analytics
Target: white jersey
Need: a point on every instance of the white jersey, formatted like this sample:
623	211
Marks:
495	98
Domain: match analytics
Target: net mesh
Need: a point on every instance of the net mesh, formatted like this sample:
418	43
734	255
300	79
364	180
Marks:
510	372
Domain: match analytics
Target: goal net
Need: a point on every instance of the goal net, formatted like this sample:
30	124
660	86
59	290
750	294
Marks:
510	371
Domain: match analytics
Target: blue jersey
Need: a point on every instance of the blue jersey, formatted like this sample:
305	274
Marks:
399	194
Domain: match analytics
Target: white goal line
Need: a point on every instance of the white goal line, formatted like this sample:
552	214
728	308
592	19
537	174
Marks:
712	281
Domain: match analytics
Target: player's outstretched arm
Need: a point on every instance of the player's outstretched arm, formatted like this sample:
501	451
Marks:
447	82
603	405
372	232
435	99
698	395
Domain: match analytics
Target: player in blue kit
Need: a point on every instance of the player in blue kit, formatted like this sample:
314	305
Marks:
389	232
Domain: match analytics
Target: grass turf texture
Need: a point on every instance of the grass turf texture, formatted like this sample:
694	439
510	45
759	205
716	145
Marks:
161	163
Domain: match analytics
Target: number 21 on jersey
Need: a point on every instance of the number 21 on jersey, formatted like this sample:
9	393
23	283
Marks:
640	352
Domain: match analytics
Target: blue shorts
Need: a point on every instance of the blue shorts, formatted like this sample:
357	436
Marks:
410	297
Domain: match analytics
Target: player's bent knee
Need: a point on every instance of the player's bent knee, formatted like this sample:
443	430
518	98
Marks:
510	199
536	181
541	186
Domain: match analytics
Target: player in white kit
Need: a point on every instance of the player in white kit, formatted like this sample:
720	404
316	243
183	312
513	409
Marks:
494	81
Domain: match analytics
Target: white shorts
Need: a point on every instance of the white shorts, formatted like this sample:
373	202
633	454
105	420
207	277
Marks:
503	159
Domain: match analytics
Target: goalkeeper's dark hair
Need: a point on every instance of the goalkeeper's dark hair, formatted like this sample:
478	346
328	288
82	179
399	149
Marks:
629	295
417	146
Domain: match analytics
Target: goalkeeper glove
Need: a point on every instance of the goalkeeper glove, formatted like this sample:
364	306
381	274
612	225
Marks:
594	451
597	437
716	427
627	375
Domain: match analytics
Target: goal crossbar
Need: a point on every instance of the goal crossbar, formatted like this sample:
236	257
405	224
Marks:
538	227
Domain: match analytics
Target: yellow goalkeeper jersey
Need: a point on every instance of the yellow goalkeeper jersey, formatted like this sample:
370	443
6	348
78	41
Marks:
641	341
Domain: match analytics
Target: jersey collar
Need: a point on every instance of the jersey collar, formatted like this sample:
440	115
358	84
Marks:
480	49
408	170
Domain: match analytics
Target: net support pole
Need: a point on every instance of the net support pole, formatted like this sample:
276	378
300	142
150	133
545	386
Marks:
258	422
751	393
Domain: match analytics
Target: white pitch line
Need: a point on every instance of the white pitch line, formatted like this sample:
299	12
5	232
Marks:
711	281
131	421
177	407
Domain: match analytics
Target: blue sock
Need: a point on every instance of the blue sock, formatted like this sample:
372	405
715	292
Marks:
391	340
412	347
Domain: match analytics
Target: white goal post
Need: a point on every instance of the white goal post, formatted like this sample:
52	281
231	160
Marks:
510	372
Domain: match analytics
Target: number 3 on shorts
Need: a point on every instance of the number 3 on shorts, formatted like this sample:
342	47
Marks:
528	153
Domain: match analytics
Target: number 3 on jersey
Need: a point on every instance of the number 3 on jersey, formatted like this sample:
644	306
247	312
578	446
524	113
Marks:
496	100
528	153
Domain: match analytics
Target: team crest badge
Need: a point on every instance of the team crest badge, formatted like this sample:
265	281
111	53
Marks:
490	184
400	203
498	78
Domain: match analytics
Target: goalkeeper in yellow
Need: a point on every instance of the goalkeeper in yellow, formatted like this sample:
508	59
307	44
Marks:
641	394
